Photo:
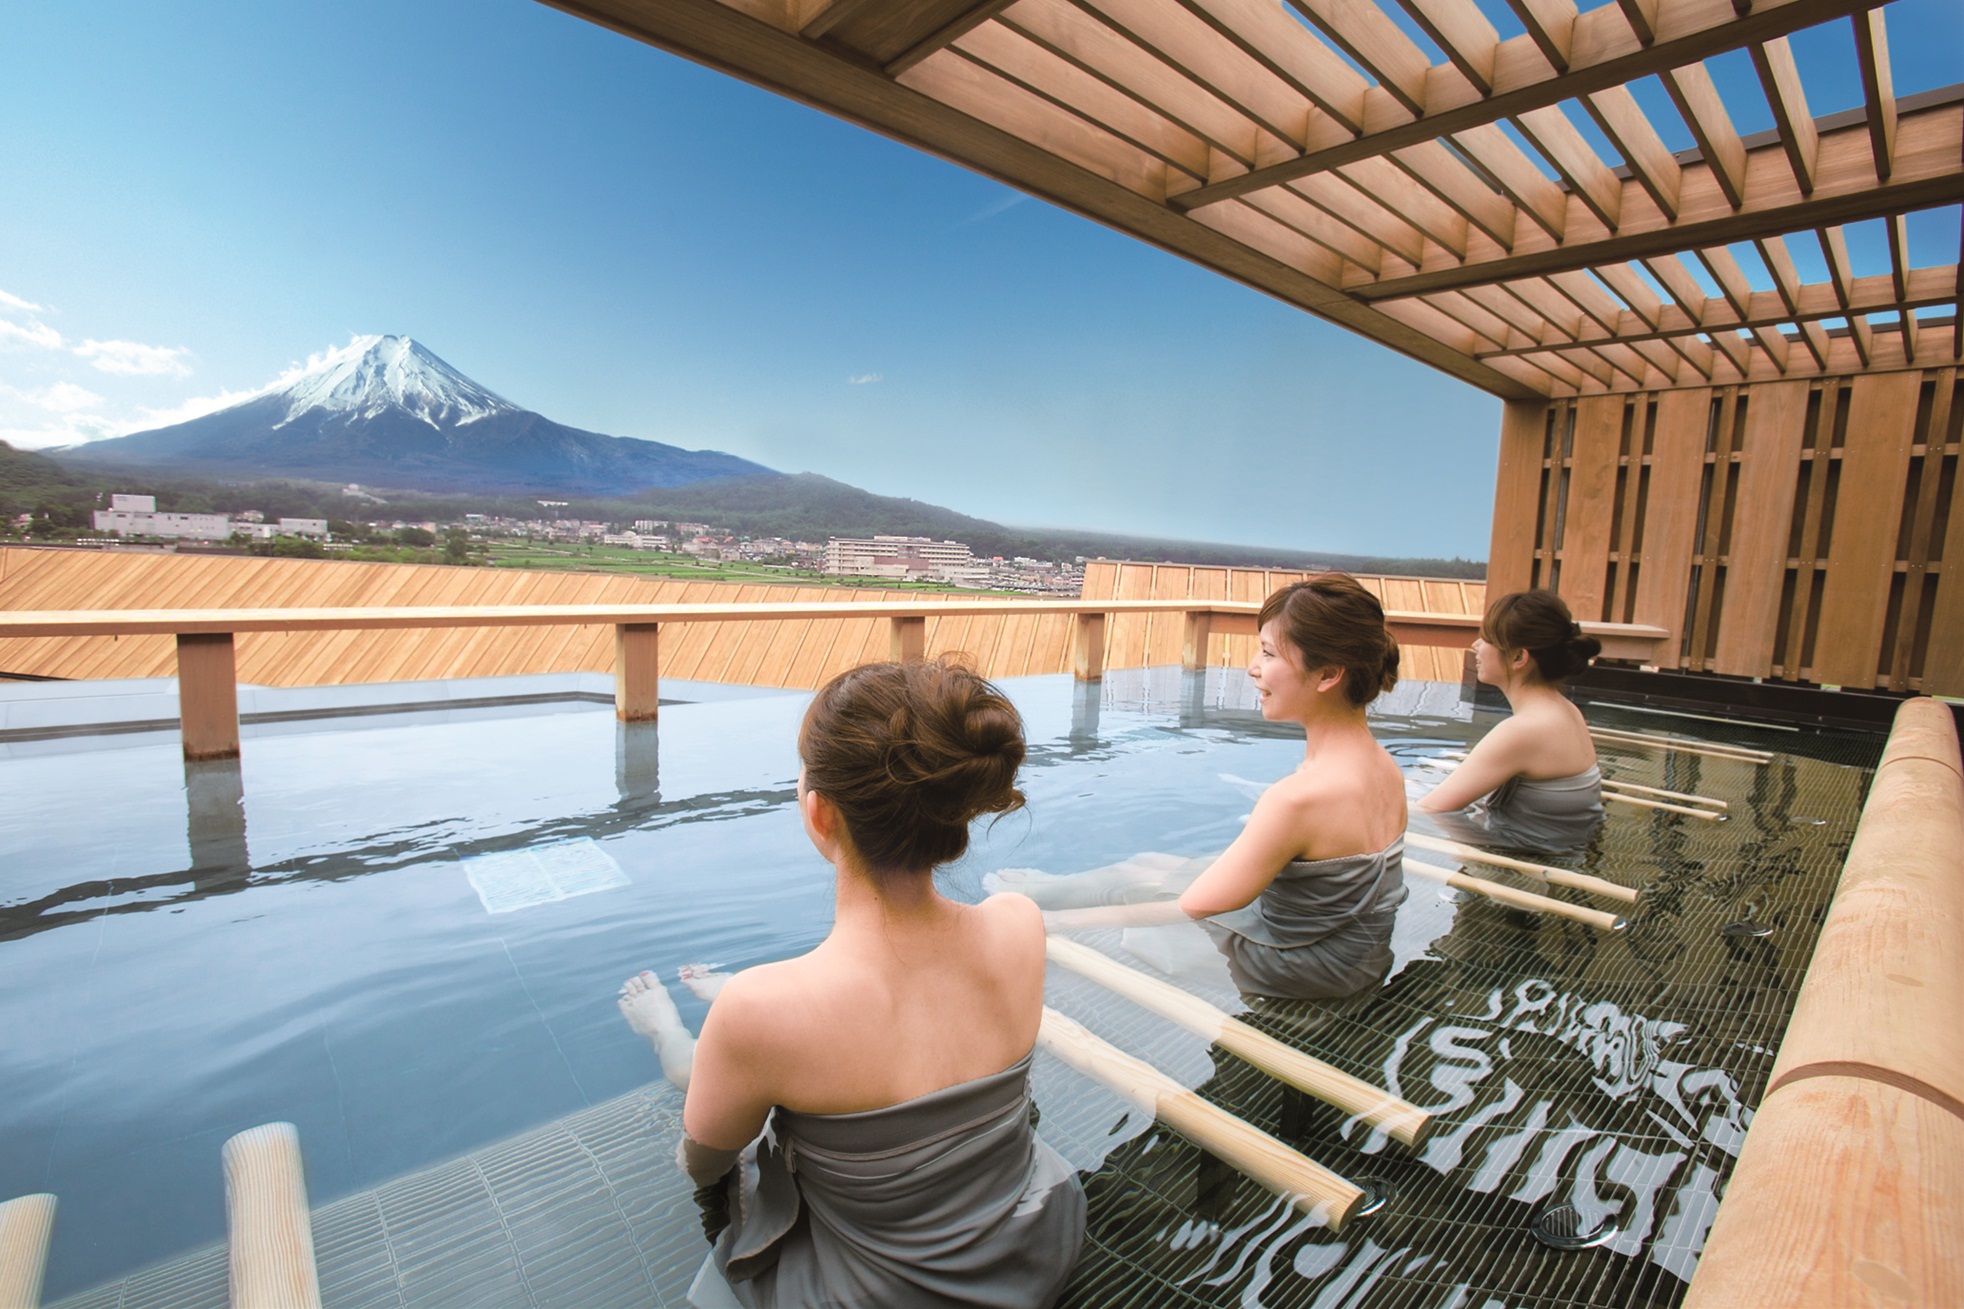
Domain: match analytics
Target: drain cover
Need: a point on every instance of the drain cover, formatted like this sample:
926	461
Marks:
1562	1228
1746	927
1377	1194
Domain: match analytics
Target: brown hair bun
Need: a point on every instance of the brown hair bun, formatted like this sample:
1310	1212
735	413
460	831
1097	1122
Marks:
910	754
1334	622
1539	622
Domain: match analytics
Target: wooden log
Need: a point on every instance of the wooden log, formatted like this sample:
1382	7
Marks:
1088	647
1682	797
1402	1122
637	672
1309	1186
1709	815
1507	895
1683	747
270	1235
208	695
1546	872
26	1224
907	638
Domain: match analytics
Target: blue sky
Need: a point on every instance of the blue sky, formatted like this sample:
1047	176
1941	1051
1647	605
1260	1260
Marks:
202	194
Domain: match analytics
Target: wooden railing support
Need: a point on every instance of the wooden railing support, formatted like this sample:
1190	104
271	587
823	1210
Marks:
25	1226
1088	647
1193	650
270	1235
208	695
907	639
637	672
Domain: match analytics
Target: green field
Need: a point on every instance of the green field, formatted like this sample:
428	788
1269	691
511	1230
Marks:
655	563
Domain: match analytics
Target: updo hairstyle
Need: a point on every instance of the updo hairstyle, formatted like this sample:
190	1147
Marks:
911	753
1539	622
1334	622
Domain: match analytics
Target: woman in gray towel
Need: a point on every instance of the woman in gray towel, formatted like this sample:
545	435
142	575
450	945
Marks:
1532	782
1302	903
866	1105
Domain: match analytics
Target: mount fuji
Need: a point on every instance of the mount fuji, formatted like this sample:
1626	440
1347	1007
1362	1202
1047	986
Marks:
385	411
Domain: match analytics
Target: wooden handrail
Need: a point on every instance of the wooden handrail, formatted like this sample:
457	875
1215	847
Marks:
207	663
1849	1189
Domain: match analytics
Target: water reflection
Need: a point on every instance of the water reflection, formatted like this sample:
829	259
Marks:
637	761
214	794
1087	699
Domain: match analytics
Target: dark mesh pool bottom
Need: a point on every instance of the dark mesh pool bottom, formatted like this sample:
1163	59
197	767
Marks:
1613	1074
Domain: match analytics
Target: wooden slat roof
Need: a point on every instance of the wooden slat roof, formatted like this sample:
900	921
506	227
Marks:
1448	206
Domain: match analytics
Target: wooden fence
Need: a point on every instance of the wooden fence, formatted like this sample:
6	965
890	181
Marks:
1803	531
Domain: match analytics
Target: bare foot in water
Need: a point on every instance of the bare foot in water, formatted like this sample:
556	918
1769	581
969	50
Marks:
650	1011
702	980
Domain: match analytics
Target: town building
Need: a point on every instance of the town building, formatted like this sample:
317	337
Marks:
905	558
136	515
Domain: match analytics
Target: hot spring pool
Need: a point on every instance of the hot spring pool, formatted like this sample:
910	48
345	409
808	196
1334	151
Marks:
404	935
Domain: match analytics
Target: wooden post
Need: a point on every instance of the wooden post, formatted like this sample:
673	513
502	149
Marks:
25	1225
1193	650
208	695
270	1235
1088	650
907	638
637	672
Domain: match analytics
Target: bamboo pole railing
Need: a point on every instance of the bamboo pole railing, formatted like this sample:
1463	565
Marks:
1306	1184
1660	793
1518	899
1849	1189
1546	872
1403	1122
26	1224
271	1236
1711	749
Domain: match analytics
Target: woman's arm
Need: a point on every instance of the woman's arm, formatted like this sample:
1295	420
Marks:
1243	871
731	1085
1496	758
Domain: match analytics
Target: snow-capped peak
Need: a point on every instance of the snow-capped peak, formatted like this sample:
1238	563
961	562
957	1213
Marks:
372	374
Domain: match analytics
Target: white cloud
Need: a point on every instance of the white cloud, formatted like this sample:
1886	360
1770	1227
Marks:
865	379
35	333
61	398
135	359
196	407
15	302
75	429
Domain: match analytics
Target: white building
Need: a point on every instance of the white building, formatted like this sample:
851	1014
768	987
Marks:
903	558
304	527
136	515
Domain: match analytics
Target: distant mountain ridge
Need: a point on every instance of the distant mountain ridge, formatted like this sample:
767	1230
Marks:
386	411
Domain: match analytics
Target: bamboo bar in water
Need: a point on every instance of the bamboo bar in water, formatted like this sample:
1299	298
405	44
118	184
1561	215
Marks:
1402	1122
1709	815
1682	797
25	1226
1596	918
1307	1184
1547	873
1633	739
270	1234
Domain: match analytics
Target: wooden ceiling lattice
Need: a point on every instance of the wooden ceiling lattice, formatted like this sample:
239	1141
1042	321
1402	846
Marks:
1454	210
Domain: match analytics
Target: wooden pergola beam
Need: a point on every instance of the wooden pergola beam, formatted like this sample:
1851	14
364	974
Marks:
1781	80
1929	172
1872	50
1602	51
1813	302
1061	163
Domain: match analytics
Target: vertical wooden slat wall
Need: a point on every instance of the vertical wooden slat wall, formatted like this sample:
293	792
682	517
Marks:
1794	531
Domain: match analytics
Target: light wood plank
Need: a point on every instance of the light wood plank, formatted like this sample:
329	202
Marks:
1781	80
1769	469
1872	50
1867	523
1677	465
1591	494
